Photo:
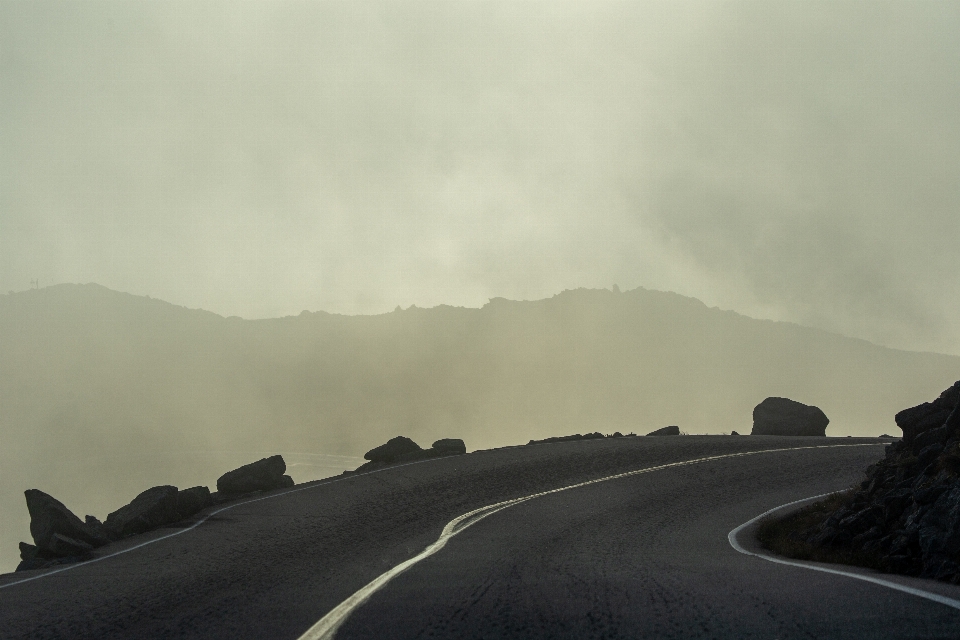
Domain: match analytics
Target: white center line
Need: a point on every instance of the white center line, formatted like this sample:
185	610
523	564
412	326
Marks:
327	626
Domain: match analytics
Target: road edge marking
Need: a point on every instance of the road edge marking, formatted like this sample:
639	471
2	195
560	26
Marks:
311	485
735	543
326	628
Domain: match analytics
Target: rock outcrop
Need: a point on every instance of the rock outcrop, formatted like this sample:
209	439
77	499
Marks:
785	417
402	449
52	525
263	475
450	446
392	450
575	437
193	500
672	430
153	508
61	537
906	513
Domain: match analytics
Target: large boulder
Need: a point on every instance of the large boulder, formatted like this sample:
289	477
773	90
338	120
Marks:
449	446
153	508
262	475
50	518
419	454
785	417
193	500
929	415
392	450
666	431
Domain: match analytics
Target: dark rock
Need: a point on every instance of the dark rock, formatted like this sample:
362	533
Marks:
371	466
153	508
902	564
927	495
909	418
918	419
32	563
895	502
928	454
97	527
734	433
455	446
49	517
392	450
574	438
286	482
63	546
419	454
945	570
219	498
785	417
950	398
28	551
825	537
861	520
666	431
872	534
930	437
906	513
262	475
193	500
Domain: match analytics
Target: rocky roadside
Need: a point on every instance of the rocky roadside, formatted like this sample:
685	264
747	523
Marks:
905	516
61	537
401	450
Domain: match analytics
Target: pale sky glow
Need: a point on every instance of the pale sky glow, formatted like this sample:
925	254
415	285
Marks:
789	160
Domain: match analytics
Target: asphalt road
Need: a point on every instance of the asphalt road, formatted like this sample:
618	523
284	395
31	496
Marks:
643	556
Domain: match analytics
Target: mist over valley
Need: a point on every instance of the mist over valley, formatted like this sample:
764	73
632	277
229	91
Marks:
105	393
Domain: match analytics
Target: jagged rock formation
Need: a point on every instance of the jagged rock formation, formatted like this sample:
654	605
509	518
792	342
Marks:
786	417
152	508
49	518
61	536
672	430
906	513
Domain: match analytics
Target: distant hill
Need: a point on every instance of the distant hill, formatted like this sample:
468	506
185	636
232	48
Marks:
86	368
92	379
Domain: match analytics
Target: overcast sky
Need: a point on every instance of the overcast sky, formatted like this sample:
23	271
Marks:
796	161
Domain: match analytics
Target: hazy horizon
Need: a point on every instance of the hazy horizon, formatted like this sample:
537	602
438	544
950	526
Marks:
479	307
788	160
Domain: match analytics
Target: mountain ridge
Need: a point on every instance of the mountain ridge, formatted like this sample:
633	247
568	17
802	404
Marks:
99	387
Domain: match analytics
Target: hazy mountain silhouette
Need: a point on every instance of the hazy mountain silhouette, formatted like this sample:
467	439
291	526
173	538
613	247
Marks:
95	384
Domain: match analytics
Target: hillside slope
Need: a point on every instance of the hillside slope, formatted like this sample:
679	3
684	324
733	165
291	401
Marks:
103	392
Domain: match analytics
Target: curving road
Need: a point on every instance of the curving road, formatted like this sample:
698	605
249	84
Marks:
641	556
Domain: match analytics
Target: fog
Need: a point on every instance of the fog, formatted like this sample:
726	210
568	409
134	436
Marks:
788	160
404	171
106	394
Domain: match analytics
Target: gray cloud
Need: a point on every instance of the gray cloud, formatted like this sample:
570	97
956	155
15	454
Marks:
789	160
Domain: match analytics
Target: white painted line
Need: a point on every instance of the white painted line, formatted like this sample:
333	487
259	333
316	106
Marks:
196	524
327	626
732	538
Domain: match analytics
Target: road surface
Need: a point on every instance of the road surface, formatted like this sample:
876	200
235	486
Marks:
635	557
